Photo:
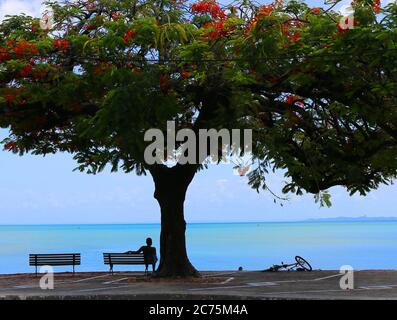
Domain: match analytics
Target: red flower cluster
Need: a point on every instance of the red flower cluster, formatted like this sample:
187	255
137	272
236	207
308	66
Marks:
129	35
4	55
13	95
217	29
11	146
376	6
164	82
251	24
26	70
185	74
315	11
209	7
290	100
295	37
61	44
90	27
9	98
116	15
24	47
265	11
285	29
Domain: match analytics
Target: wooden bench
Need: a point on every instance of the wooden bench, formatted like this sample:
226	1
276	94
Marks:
62	259
113	259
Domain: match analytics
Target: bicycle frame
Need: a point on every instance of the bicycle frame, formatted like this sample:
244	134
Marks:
287	267
300	265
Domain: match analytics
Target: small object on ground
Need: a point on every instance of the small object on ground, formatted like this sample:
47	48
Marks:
300	265
240	268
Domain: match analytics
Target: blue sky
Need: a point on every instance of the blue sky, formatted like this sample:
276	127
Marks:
37	190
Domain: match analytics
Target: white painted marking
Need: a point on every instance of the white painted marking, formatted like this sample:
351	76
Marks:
262	284
390	285
25	287
329	277
215	288
113	281
376	287
227	280
248	285
85	279
333	290
265	284
309	291
101	289
219	274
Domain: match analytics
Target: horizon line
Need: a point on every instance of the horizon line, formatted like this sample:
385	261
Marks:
336	219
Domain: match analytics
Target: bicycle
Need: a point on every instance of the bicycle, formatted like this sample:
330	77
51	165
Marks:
300	265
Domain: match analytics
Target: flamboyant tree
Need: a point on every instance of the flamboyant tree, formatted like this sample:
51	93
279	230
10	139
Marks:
319	95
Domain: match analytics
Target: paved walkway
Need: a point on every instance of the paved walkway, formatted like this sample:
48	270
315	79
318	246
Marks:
213	285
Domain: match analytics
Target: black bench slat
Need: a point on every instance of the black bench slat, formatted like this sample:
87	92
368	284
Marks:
66	256
53	258
53	254
126	258
54	264
126	262
129	256
123	254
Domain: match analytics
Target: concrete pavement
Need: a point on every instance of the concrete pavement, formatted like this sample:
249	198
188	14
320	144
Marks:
368	284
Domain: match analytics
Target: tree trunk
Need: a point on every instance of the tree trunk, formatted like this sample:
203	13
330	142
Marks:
170	190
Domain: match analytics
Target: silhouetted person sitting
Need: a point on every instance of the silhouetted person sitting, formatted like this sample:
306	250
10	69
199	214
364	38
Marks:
149	254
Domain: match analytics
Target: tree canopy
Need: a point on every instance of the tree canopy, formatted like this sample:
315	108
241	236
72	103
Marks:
320	98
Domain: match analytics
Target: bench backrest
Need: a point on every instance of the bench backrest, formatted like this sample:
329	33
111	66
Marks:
62	259
123	258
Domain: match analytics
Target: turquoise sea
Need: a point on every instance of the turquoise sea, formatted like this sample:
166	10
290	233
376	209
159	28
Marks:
254	246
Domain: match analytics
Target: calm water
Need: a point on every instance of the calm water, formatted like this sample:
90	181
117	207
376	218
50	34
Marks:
327	245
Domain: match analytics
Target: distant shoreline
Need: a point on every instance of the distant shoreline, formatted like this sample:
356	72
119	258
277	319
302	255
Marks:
320	220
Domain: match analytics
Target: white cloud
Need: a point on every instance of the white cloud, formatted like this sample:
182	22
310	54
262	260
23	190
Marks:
346	5
346	10
31	8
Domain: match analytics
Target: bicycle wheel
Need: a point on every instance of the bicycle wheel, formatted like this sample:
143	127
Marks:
303	263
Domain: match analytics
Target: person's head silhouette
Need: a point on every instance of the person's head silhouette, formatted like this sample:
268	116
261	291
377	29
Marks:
149	242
